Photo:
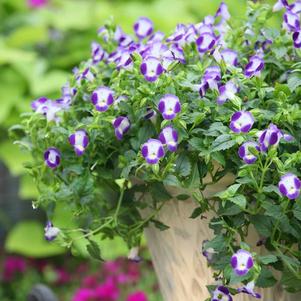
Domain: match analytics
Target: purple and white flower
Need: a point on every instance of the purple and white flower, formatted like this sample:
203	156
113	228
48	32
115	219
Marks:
269	137
169	106
87	75
205	42
52	157
241	122
280	4
221	293
152	151
151	68
150	113
102	98
79	140
97	53
223	12
121	125
245	154
134	254
254	66
230	57
242	262
169	136
68	93
123	39
291	21
297	39
249	289
207	253
143	27
210	79
295	7
47	107
51	232
226	92
290	186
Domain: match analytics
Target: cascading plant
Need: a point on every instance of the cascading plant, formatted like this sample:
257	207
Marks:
151	111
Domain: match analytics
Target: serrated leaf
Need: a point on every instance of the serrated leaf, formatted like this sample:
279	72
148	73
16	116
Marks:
223	142
239	200
183	165
94	250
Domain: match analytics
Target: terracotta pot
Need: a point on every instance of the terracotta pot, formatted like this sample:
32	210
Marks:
181	268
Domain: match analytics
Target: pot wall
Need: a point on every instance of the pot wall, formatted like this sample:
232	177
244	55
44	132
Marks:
180	266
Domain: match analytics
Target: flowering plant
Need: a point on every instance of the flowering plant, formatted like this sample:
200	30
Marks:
217	97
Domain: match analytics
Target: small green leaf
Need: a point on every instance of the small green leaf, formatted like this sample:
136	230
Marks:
267	259
94	250
161	226
196	212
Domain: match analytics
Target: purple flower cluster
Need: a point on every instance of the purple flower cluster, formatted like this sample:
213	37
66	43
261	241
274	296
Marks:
153	150
291	19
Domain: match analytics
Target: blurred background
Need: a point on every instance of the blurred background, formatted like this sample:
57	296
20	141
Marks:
40	42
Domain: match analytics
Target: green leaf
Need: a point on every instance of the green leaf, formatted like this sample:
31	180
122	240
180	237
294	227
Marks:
294	82
218	243
183	165
27	239
223	142
229	192
239	200
297	210
266	278
94	250
267	259
263	224
161	226
183	197
159	192
196	212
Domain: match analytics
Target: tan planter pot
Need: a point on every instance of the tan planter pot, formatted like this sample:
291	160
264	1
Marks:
181	268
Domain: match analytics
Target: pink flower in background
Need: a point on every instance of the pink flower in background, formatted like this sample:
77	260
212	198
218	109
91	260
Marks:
107	291
13	265
134	272
84	294
137	296
111	267
63	276
90	281
37	3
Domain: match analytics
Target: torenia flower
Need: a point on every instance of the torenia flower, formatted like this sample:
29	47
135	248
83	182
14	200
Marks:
102	98
52	157
152	151
226	92
46	107
229	56
143	27
297	39
207	253
151	68
121	125
245	154
290	186
212	76
97	53
205	42
51	232
221	293
169	136
270	136
291	21
241	122
79	140
134	254
280	4
242	262
223	12
169	106
254	66
249	289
